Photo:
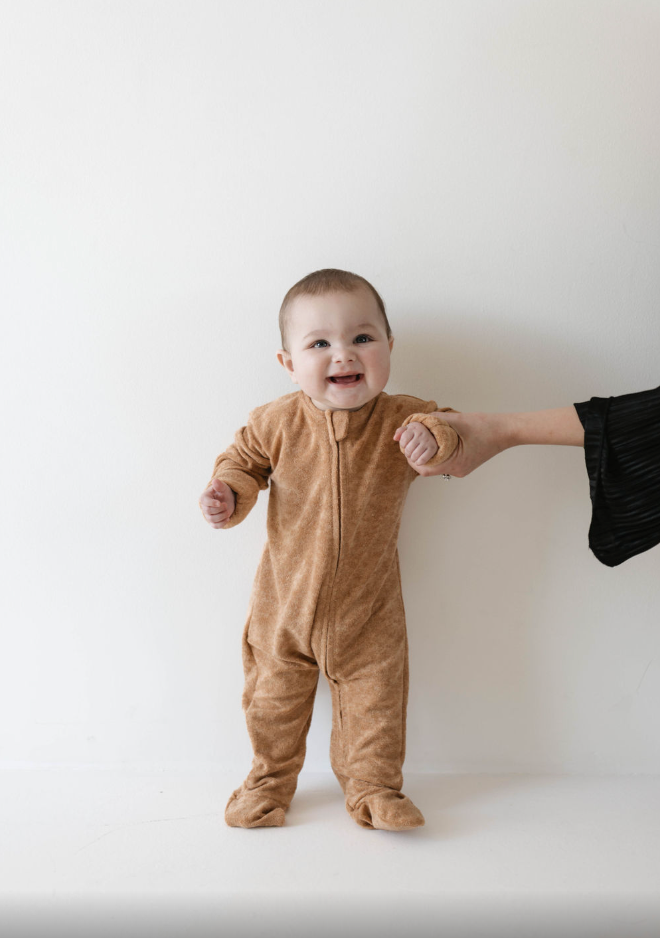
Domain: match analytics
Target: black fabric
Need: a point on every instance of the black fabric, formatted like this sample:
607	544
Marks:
622	453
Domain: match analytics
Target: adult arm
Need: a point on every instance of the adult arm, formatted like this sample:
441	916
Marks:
482	436
621	439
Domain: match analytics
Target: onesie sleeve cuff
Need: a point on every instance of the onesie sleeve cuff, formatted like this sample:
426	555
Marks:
445	436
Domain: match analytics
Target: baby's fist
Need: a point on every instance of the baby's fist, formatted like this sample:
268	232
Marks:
217	503
416	443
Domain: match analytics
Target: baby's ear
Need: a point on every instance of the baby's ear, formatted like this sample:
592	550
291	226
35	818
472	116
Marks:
284	358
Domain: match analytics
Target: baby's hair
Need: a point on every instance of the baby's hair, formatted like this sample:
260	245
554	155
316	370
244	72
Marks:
328	280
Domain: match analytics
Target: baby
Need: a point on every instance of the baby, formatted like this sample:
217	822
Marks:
327	593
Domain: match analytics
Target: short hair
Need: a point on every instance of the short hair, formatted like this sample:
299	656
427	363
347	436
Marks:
320	282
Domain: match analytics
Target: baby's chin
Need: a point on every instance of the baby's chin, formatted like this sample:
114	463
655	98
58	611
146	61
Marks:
336	399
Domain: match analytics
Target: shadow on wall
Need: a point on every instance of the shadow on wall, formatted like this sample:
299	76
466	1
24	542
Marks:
483	559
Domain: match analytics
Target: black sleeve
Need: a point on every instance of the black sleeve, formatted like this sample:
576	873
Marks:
622	454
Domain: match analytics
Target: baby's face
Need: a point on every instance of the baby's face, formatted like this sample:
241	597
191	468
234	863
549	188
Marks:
338	333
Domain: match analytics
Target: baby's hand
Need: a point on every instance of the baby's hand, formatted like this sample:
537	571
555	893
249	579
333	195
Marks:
417	443
217	503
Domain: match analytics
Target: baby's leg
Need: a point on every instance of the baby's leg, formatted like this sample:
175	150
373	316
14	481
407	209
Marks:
367	747
278	700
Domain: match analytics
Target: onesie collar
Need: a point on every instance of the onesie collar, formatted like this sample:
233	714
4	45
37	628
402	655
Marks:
341	423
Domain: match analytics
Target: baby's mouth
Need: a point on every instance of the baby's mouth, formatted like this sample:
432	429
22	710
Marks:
346	379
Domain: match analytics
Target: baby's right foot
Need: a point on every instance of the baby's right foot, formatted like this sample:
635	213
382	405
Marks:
253	808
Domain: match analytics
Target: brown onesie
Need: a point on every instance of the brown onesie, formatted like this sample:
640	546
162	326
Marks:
327	596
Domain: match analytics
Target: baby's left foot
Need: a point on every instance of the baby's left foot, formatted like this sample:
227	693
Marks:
388	810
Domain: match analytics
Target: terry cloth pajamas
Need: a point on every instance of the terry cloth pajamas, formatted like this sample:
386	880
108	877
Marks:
327	597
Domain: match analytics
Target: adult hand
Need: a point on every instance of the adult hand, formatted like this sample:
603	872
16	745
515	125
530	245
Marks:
480	437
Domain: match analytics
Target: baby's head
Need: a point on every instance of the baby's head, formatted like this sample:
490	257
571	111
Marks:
333	322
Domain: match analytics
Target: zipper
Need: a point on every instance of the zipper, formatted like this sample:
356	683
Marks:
334	578
338	509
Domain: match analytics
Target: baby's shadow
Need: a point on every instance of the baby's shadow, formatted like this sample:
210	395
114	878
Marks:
450	803
310	803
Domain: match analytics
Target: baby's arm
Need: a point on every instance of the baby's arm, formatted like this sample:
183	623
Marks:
238	476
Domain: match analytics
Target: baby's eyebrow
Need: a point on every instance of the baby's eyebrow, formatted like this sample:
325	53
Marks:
361	325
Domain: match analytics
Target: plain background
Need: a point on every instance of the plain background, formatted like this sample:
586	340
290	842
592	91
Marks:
168	170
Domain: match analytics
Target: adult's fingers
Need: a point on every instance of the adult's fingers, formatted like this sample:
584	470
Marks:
479	438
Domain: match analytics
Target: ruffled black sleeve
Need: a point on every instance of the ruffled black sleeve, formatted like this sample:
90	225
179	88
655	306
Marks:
622	453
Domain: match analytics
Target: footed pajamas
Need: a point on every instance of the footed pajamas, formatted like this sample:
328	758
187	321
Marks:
327	597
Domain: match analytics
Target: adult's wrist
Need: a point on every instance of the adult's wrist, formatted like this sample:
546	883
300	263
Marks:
509	430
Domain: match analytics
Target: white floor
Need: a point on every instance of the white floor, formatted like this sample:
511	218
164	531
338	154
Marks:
106	852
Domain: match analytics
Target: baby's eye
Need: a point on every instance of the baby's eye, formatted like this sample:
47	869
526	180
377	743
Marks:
361	336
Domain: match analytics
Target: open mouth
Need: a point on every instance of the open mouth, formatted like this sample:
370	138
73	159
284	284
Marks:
346	379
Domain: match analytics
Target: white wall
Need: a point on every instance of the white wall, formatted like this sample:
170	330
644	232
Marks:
169	170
